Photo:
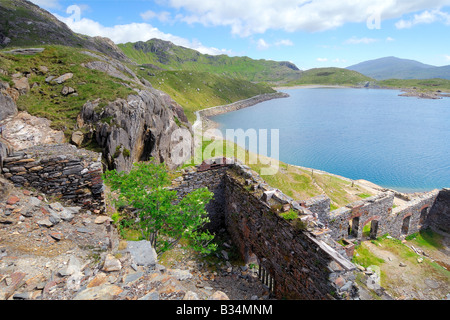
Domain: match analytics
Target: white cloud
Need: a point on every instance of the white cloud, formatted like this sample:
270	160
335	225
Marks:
261	44
148	15
257	16
162	16
133	32
447	57
389	39
425	17
47	3
284	42
364	40
322	59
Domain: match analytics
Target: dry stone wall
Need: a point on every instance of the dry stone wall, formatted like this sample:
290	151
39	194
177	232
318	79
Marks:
413	216
213	179
384	218
358	214
61	171
298	256
242	104
302	265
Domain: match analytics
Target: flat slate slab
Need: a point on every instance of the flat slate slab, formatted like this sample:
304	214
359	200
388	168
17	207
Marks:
142	253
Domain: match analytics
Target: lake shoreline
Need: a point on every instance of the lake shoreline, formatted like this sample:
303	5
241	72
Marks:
203	116
405	92
210	128
205	127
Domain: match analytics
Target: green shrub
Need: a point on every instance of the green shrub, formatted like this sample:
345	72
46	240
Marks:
162	219
290	215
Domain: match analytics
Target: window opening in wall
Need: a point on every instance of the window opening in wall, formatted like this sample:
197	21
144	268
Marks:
373	229
353	226
266	278
370	230
423	215
405	226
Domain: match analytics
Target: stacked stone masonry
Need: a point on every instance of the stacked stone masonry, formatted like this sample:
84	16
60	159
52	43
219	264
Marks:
301	257
61	171
298	257
383	216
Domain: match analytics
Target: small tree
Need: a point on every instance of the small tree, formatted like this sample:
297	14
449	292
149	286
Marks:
162	218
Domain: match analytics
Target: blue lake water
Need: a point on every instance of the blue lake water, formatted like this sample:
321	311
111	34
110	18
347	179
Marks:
397	142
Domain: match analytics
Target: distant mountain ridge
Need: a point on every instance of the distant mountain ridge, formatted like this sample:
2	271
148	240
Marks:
397	68
168	56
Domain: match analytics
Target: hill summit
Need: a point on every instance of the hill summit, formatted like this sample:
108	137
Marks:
165	55
397	68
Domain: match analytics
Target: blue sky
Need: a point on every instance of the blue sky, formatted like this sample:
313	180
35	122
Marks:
309	33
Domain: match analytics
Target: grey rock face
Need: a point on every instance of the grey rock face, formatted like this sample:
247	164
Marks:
7	107
138	128
142	253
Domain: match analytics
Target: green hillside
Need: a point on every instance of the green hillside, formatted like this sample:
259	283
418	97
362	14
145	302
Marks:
167	56
199	90
419	84
45	98
331	76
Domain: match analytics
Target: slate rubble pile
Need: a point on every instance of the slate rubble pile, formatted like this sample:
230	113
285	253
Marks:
54	251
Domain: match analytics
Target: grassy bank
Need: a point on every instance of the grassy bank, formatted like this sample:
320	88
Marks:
200	90
298	183
45	99
424	85
330	76
401	269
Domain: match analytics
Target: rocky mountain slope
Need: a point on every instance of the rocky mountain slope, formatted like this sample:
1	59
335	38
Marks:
23	23
132	123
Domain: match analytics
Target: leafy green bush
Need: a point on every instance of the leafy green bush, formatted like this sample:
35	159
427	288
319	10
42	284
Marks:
162	218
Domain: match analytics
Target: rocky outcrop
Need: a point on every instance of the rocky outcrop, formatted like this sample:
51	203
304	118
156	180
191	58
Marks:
7	103
290	65
421	95
24	23
111	67
7	106
136	129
